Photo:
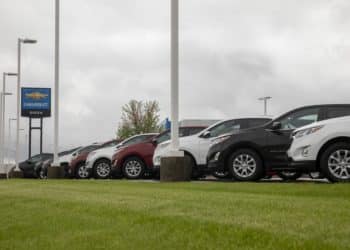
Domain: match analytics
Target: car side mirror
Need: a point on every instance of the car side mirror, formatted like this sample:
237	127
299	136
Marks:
206	134
154	141
276	126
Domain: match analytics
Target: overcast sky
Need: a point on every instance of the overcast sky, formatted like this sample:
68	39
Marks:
232	52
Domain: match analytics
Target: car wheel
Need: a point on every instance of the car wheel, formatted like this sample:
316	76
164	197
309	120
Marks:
316	175
102	169
289	176
82	171
246	165
133	168
222	175
335	162
42	174
195	171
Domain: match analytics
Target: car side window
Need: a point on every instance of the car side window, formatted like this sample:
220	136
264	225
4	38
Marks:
226	127
183	132
193	131
334	112
256	122
299	118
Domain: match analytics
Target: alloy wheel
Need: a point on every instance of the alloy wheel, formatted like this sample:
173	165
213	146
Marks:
83	173
339	164
244	165
133	168
103	170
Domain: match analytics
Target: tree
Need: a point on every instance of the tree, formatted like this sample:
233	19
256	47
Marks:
139	117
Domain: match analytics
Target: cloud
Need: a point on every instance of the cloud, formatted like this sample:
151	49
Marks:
232	52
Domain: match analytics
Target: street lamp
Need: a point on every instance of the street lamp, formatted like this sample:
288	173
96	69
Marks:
2	153
19	43
2	117
265	99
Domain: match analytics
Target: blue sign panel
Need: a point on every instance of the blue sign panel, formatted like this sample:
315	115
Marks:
36	102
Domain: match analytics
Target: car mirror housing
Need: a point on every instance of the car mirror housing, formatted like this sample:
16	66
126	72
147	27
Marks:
206	134
276	126
154	141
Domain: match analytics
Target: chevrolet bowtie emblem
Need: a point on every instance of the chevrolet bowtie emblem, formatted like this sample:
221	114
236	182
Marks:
36	95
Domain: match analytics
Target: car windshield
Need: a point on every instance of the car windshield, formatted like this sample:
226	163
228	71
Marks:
137	139
36	158
299	118
184	131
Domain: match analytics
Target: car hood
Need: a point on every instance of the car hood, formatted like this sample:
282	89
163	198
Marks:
182	140
104	150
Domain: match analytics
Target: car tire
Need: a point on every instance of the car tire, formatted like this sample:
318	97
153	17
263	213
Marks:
81	171
245	165
316	175
222	175
102	169
335	162
196	173
133	168
289	175
42	174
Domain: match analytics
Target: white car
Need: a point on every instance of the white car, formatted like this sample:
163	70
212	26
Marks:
98	162
196	147
67	156
324	147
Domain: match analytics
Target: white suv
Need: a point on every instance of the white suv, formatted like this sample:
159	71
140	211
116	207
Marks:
196	147
98	162
323	146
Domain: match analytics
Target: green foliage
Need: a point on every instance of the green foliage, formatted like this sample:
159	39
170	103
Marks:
139	117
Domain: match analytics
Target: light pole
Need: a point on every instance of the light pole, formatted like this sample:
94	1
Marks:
265	99
173	164
2	153
2	118
23	130
9	138
19	43
174	99
55	171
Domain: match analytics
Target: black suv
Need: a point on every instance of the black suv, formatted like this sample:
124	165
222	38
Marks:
251	153
31	167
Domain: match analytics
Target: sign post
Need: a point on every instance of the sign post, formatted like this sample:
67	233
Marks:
35	104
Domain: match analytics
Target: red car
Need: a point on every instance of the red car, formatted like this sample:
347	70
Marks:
77	167
135	160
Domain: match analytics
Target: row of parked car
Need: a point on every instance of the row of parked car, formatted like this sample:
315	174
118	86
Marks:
313	140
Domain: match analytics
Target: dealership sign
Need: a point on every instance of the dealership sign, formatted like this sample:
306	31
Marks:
36	102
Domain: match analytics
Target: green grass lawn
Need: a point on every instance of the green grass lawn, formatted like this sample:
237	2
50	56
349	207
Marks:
116	214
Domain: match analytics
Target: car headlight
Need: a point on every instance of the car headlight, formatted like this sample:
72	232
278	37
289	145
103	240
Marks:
219	140
308	131
117	150
164	144
91	155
